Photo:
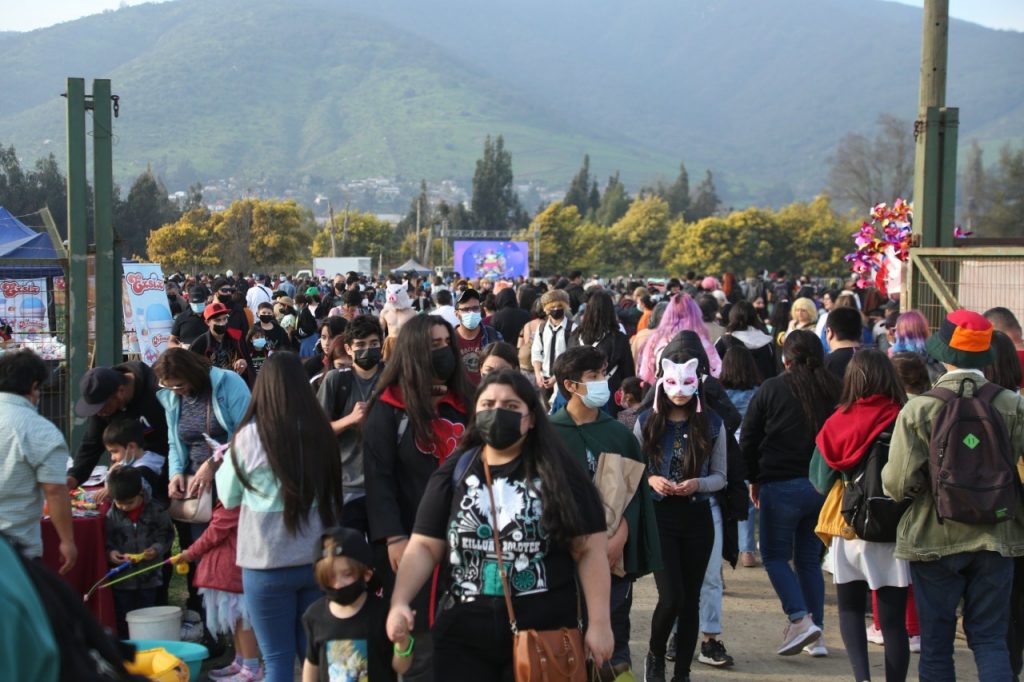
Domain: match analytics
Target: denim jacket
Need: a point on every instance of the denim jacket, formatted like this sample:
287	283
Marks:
713	473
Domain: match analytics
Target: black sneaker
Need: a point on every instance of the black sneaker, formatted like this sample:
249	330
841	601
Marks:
712	652
654	669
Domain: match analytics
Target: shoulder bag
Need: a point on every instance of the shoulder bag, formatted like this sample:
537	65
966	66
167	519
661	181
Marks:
195	509
538	655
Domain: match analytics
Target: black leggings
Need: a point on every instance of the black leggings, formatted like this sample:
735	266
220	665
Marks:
687	534
892	607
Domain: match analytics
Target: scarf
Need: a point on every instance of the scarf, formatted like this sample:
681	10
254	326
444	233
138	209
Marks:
848	433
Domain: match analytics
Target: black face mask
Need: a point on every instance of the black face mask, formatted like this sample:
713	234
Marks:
442	362
367	358
499	427
226	300
266	318
220	328
348	594
557	313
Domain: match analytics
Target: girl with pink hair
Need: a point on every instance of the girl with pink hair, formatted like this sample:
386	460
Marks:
682	313
910	333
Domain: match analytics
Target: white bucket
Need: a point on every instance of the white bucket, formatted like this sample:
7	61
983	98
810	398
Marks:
156	622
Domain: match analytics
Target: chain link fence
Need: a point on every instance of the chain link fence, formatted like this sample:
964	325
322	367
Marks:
943	279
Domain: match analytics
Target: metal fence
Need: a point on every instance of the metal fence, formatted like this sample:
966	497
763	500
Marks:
34	315
941	280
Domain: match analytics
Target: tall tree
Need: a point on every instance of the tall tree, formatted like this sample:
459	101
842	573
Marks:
495	205
705	201
1005	215
146	208
974	187
866	171
579	189
614	202
677	195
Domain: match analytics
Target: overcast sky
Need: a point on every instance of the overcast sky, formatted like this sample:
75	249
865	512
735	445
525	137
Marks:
25	16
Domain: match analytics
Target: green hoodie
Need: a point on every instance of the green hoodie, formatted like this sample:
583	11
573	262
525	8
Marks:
642	553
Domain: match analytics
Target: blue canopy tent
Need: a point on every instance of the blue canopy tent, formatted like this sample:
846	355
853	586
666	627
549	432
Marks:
19	241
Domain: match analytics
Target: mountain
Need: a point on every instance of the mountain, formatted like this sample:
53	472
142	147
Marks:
761	92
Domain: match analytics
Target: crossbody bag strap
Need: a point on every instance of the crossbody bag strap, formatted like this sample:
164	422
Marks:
497	548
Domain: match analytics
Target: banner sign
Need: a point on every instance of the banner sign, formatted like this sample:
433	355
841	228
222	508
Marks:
147	312
25	308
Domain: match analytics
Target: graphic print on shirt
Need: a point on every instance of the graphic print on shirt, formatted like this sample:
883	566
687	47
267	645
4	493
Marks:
524	542
347	660
446	438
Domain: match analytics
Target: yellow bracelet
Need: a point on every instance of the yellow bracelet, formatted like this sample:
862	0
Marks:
407	652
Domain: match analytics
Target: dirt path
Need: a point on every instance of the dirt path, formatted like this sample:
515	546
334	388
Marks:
753	621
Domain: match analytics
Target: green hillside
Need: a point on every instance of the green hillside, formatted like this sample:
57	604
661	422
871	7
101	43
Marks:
759	91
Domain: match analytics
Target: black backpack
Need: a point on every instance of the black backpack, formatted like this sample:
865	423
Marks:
971	462
871	513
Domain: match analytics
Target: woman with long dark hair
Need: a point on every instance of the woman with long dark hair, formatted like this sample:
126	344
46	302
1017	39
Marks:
551	528
283	469
414	423
746	328
777	441
600	329
685	445
870	401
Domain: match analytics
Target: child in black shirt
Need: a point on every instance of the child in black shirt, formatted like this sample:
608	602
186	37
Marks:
345	633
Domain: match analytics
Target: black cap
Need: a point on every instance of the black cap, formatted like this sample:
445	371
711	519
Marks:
197	293
96	387
348	543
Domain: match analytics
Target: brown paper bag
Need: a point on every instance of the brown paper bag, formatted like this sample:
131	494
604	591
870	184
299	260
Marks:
617	479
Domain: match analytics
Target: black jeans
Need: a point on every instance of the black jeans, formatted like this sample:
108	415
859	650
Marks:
129	600
852	600
687	533
1015	633
473	642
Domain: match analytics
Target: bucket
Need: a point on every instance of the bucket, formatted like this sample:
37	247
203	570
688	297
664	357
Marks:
192	654
155	622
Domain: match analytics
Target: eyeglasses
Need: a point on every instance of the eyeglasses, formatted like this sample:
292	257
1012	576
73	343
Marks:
173	387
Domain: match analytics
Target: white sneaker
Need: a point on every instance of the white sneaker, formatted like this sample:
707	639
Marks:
915	644
875	635
797	635
817	648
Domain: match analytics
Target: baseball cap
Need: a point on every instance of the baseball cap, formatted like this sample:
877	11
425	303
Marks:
348	543
215	310
95	388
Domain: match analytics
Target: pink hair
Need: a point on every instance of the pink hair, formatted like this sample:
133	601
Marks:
682	313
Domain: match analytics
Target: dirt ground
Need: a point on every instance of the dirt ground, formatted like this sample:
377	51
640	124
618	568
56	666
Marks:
752	623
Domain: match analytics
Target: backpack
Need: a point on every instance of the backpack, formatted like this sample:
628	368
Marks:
971	462
871	513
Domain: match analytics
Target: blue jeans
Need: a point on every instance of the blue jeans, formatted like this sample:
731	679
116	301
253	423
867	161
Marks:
984	581
277	598
789	512
747	541
711	590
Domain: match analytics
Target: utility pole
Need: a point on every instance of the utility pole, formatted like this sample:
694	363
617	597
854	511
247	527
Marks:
935	134
536	247
344	230
330	211
416	242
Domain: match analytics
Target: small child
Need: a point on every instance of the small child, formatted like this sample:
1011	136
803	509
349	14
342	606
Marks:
345	629
123	439
219	580
631	396
258	350
136	524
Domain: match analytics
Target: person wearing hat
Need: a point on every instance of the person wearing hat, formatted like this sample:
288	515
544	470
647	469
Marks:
128	391
349	613
224	293
190	325
221	344
949	560
552	339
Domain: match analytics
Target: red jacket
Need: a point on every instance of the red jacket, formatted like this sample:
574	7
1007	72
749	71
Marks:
216	547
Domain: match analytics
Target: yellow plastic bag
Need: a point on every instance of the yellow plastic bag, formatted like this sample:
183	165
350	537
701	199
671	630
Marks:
159	665
830	518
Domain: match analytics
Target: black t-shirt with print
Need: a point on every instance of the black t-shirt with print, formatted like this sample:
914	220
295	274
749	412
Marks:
540	574
355	648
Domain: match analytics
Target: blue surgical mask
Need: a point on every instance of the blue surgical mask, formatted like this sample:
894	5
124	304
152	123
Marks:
259	344
470	320
597	395
198	308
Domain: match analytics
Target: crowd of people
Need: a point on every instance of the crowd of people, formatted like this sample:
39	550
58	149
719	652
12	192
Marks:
401	474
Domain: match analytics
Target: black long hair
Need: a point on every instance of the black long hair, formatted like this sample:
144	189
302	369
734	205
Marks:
409	368
869	373
815	387
544	457
698	447
599	318
1006	370
296	436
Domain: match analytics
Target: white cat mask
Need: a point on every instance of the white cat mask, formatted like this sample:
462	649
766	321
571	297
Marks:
677	379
